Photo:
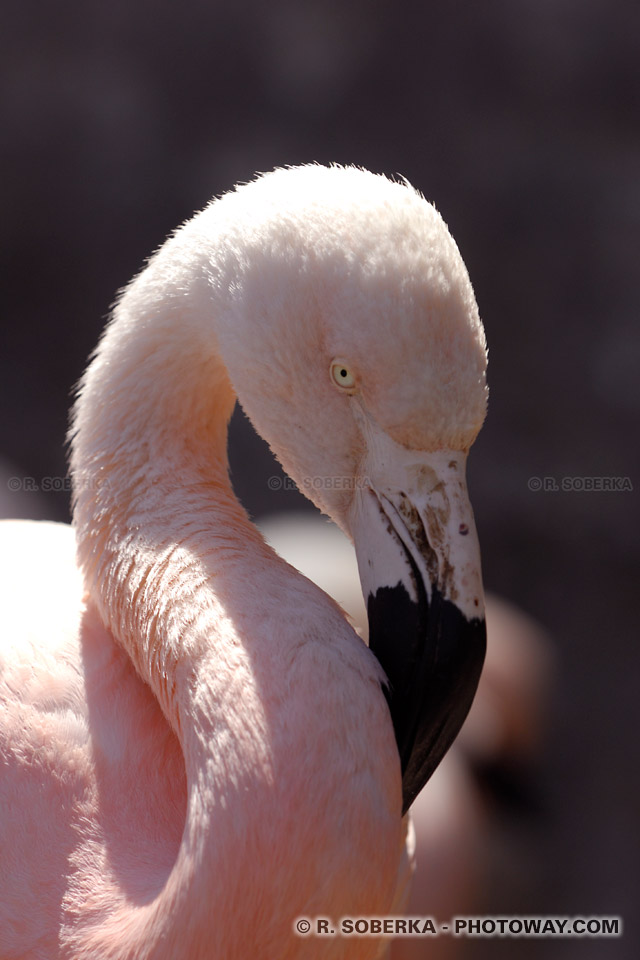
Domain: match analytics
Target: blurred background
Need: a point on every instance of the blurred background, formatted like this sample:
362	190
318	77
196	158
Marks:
520	119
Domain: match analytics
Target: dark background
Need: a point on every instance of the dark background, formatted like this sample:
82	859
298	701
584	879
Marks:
521	120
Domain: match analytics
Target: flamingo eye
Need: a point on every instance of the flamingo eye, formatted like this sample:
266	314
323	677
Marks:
341	375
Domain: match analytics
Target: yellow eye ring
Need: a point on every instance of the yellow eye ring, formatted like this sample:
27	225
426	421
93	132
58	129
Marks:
342	375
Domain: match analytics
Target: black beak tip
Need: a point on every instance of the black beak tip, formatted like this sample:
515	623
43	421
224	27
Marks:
433	656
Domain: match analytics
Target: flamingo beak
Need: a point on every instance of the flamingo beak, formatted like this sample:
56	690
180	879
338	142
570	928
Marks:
419	564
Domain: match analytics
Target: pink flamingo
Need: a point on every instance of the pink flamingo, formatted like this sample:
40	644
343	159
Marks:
197	748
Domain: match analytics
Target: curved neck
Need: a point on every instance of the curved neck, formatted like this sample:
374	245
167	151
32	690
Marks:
210	618
154	510
166	549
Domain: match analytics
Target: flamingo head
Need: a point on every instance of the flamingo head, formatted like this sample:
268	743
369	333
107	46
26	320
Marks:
351	335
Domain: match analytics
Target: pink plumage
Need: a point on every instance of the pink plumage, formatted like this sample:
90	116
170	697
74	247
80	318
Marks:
196	745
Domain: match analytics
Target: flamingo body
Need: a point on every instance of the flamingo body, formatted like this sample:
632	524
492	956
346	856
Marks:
83	807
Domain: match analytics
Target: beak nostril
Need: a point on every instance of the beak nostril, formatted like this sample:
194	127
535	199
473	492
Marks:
463	529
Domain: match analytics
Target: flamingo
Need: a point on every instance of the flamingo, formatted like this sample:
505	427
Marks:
197	747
